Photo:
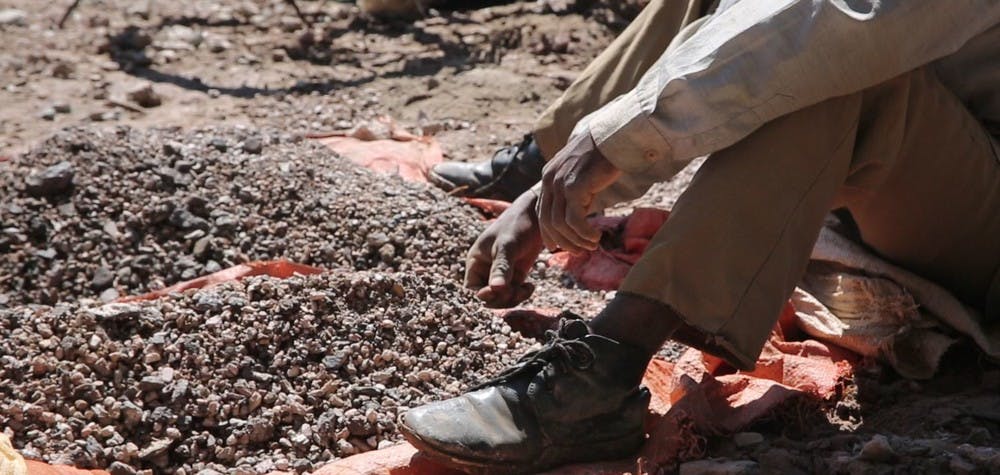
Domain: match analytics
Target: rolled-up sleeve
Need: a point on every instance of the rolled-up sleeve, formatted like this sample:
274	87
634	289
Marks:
757	60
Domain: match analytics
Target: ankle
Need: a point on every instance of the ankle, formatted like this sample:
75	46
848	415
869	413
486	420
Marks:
637	321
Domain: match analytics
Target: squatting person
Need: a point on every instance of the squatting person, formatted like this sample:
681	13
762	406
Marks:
889	109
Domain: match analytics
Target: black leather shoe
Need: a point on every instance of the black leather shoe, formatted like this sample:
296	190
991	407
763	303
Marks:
575	400
511	171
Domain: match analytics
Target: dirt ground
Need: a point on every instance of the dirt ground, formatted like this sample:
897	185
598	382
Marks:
475	79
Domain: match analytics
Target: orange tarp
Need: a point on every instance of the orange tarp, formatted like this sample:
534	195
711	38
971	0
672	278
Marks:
281	269
384	147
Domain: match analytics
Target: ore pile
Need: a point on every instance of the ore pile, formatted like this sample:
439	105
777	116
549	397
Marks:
108	213
256	375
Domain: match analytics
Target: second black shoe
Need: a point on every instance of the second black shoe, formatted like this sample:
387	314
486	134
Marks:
511	171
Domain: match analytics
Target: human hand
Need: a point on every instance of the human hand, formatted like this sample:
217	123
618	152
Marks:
497	265
570	183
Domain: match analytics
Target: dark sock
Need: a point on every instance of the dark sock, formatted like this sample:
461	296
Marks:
637	321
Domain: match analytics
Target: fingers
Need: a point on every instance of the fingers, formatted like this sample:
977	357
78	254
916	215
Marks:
562	210
477	266
578	205
507	285
543	211
506	297
565	236
476	272
569	184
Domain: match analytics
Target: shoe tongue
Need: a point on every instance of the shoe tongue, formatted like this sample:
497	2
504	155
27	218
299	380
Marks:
574	329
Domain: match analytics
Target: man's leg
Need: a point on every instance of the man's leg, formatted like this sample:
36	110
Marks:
718	273
933	206
615	71
915	169
618	68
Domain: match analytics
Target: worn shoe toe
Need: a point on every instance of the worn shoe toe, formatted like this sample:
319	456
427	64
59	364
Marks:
480	425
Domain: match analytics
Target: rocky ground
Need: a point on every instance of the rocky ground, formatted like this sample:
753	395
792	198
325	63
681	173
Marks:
879	424
149	142
254	376
92	213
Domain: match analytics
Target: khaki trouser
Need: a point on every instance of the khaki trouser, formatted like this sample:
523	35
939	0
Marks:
919	175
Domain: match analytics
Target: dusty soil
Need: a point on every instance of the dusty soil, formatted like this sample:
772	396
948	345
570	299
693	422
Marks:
480	77
194	81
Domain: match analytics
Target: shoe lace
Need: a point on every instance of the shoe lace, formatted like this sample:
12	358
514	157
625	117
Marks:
562	352
516	151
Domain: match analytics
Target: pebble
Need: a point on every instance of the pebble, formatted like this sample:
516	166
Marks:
321	212
178	391
253	145
119	468
145	96
54	180
12	16
877	449
103	278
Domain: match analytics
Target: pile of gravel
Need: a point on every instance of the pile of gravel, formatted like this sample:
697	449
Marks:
94	212
256	375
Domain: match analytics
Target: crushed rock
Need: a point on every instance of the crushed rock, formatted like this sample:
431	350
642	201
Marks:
92	212
258	375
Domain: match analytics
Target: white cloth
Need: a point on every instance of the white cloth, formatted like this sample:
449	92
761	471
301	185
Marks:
908	340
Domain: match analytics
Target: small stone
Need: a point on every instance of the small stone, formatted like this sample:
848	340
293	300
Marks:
145	96
217	44
152	383
877	449
131	413
253	145
747	439
346	448
116	312
201	247
48	113
52	181
12	16
103	116
335	361
119	468
63	70
103	278
219	144
184	219
167	374
109	295
62	108
183	34
387	253
155	448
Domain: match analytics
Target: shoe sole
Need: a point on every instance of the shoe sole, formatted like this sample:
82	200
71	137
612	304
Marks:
553	456
446	185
